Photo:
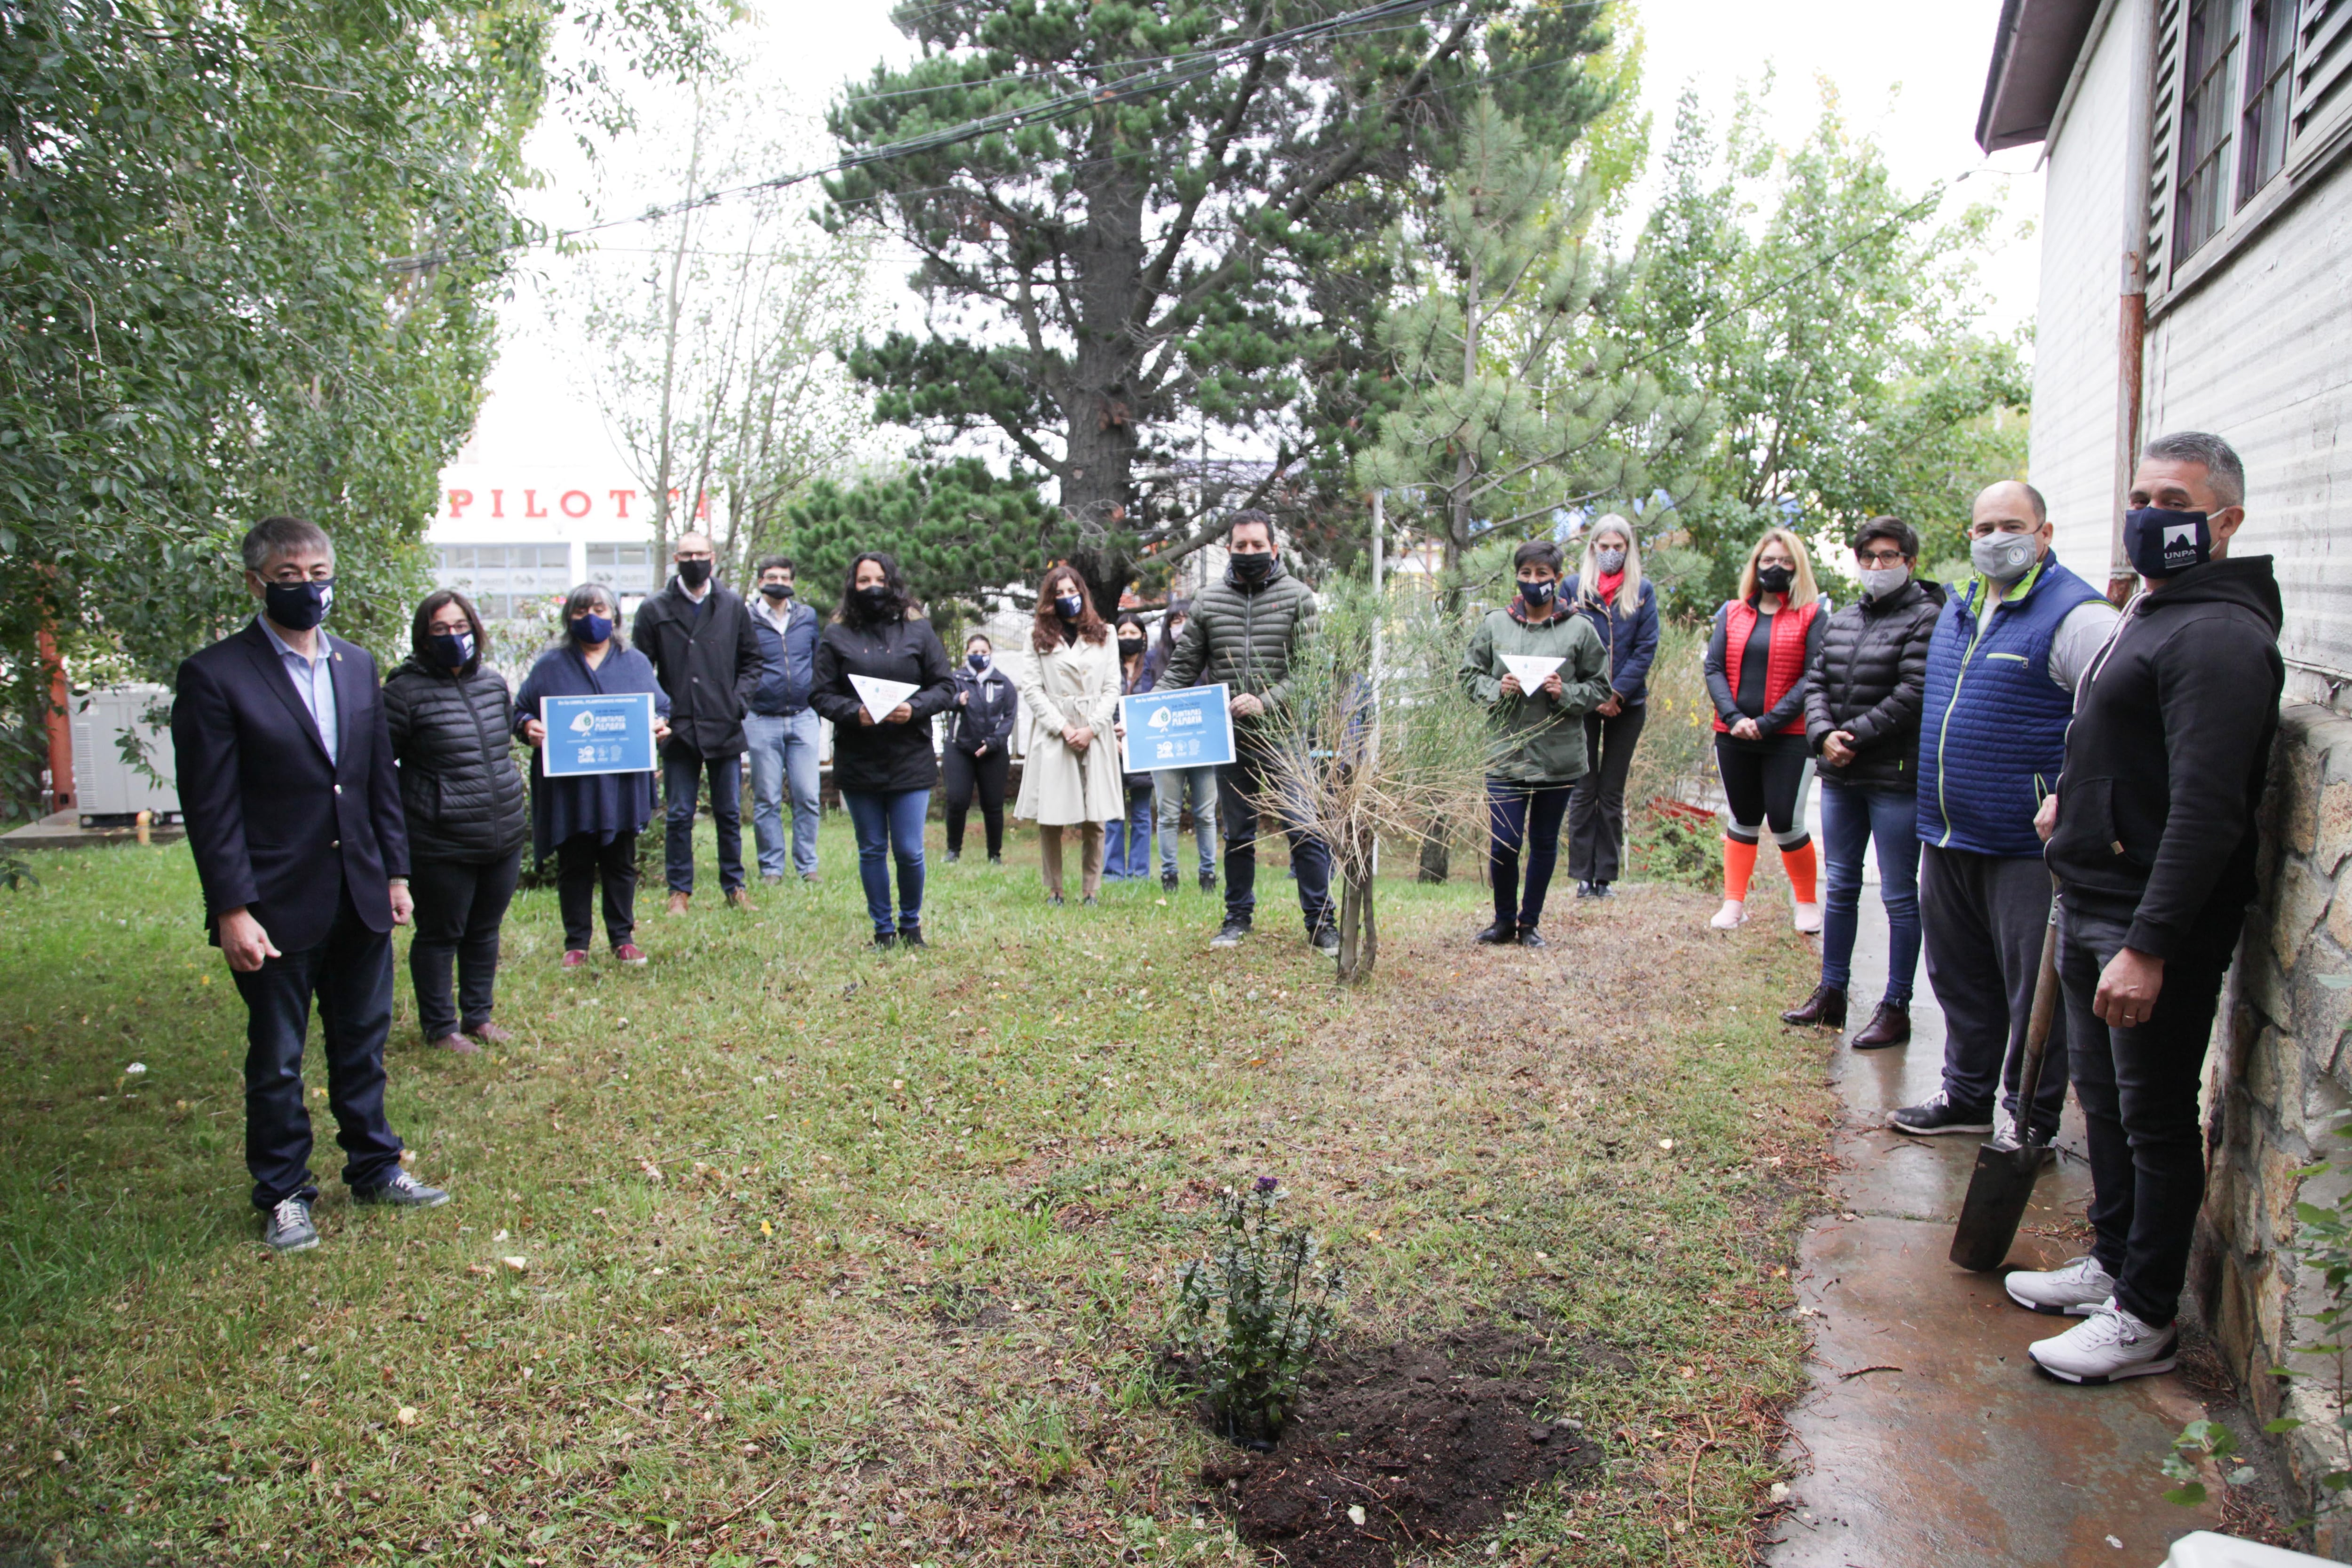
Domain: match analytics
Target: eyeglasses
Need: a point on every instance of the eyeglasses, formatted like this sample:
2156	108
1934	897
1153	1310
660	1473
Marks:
1880	557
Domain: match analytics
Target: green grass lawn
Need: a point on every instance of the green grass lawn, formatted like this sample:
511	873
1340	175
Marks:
828	1255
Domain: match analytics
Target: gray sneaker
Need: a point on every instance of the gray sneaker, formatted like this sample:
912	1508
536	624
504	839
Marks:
1325	940
403	1191
2074	1289
1230	934
289	1228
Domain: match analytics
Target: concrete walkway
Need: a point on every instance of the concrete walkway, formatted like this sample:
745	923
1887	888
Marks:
1928	1437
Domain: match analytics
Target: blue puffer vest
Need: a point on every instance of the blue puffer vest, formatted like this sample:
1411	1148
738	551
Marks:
1992	723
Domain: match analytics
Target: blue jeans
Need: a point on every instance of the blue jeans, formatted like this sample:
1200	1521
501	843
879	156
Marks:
891	827
1523	816
1851	820
1127	846
783	756
682	770
1171	785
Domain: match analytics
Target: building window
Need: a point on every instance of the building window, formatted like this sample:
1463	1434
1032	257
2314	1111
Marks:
2270	84
507	582
626	569
2208	121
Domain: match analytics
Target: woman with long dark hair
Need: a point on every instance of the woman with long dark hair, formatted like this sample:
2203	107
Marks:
590	822
451	724
1127	842
883	762
1069	775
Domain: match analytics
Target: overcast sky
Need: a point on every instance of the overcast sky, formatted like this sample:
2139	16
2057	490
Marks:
1908	75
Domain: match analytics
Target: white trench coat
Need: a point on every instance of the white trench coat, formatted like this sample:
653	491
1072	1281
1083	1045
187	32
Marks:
1078	683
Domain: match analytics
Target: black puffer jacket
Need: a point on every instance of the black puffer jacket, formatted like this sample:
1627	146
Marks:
458	782
1243	637
1867	680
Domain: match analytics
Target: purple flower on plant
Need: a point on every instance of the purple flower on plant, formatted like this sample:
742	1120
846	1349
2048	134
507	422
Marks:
1267	1184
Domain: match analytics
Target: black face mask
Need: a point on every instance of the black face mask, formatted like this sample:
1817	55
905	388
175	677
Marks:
876	596
453	649
694	574
299	606
1774	579
2161	543
779	592
1253	569
1130	647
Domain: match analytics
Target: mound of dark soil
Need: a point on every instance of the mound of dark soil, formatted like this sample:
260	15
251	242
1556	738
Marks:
1432	1441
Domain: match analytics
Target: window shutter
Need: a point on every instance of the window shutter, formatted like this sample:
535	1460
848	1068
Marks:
2322	75
2164	137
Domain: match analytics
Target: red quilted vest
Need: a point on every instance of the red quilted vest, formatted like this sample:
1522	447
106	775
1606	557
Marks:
1787	662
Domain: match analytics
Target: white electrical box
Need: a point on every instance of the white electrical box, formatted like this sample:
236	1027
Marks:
110	791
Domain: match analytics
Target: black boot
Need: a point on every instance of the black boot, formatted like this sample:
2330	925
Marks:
1825	1009
1497	936
1890	1025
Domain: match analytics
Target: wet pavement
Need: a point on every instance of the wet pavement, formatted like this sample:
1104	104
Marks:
1928	1436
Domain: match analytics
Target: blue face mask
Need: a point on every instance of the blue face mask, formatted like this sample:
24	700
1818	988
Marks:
979	661
299	606
1535	596
2161	543
1069	606
590	628
453	649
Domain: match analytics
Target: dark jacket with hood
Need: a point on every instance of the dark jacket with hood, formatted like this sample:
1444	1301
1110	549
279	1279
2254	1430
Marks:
453	737
709	661
1867	679
1629	637
878	758
986	716
1242	637
2165	759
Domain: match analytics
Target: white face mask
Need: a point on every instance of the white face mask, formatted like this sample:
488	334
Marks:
1880	581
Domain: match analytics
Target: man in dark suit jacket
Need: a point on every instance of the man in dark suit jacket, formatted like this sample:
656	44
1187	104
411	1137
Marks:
293	814
704	647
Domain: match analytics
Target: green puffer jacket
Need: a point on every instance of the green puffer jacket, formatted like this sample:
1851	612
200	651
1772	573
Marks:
1243	637
1539	740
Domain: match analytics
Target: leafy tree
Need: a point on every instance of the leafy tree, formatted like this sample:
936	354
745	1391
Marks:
958	530
1152	240
1836	319
1517	407
247	255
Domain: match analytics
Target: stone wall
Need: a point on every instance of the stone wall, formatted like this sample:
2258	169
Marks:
2282	1074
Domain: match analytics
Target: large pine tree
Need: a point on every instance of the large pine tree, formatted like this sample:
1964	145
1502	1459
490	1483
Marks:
1103	284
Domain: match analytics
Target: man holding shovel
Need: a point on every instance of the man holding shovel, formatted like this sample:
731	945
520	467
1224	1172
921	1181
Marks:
2152	839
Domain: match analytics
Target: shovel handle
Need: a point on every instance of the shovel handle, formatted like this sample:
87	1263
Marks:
2037	1026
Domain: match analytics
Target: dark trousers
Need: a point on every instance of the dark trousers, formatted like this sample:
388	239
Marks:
682	771
350	975
966	776
1239	784
460	904
1596	808
581	866
2139	1091
1518	815
1983	917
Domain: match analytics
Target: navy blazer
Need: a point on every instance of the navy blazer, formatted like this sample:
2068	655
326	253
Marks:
269	819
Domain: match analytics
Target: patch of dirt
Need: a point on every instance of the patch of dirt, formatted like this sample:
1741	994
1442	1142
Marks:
1430	1441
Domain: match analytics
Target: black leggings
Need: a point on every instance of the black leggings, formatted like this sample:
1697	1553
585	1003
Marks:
581	865
1764	781
966	773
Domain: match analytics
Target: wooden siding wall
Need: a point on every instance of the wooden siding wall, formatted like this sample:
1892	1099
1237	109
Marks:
2071	459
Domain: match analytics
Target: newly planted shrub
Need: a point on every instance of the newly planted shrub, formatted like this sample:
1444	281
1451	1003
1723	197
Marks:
1250	1316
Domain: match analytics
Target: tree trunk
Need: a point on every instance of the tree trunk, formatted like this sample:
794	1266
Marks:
1098	399
1360	936
1435	857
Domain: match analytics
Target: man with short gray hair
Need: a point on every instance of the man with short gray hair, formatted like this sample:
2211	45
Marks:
2152	839
293	813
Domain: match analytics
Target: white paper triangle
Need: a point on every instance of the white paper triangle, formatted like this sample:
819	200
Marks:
1531	670
880	697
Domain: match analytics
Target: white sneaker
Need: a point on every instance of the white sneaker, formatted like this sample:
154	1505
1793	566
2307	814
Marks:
1733	913
2075	1289
2109	1344
1809	918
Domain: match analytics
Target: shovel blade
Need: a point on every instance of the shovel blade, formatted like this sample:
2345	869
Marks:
1999	1191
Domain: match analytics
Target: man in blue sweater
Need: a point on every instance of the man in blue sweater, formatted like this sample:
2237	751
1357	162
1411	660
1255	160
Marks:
782	728
2001	669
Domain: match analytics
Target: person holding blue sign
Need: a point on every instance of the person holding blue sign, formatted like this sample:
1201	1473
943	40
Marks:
1174	785
1538	667
880	675
589	822
1127	845
1243	633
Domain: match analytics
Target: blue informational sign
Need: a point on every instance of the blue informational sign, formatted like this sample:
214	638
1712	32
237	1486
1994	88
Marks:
1185	729
598	734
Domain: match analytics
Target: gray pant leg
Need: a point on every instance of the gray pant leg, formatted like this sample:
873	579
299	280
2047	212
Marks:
1983	917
